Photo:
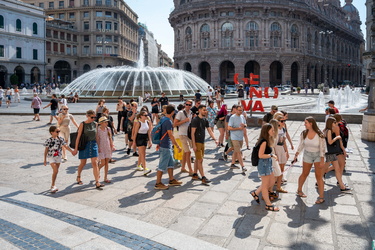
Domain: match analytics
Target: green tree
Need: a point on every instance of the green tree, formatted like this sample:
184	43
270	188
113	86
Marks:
14	79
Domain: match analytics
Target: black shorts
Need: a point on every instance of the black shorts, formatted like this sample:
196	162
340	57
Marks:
36	111
141	140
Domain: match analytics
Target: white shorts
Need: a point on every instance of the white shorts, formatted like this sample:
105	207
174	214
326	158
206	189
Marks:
54	159
281	154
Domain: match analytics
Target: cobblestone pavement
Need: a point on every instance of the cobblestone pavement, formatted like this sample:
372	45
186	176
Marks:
187	217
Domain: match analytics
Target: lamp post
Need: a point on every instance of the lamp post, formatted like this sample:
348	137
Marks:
323	33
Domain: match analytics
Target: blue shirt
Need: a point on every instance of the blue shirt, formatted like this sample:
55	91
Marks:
235	122
165	126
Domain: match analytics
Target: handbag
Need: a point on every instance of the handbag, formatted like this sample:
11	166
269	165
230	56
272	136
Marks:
334	148
276	168
82	141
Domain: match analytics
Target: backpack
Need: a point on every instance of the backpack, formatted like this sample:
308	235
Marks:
156	136
189	131
344	132
255	154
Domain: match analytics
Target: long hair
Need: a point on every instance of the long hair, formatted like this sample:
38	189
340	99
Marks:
223	111
275	125
329	123
264	135
141	114
314	127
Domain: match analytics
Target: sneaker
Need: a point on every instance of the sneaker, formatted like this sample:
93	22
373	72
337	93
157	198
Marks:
54	189
205	181
195	177
146	171
139	168
244	169
192	159
237	161
174	182
225	156
345	184
160	186
128	152
232	166
135	154
346	189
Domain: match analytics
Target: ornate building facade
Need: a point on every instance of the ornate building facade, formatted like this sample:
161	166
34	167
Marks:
296	41
87	34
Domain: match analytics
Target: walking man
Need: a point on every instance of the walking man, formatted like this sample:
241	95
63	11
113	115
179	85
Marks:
198	126
166	162
237	126
54	105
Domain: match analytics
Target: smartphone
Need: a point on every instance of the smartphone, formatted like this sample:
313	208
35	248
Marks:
294	161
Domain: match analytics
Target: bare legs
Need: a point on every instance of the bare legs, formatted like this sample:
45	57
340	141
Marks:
221	137
55	168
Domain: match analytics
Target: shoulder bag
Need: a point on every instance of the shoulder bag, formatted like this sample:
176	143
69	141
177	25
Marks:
82	141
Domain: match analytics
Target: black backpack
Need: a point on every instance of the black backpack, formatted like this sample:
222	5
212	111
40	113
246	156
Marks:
189	131
255	154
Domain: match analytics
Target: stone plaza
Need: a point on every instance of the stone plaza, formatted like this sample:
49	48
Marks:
129	213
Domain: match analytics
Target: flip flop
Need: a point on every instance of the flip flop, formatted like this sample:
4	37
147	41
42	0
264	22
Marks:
301	194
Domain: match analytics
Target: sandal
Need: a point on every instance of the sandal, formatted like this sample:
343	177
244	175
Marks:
320	200
273	195
255	196
79	182
301	194
107	181
281	190
272	208
98	185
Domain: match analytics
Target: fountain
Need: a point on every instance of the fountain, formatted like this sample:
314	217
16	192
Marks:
134	82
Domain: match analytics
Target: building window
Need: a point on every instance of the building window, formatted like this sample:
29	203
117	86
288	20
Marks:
99	14
1	22
86	3
62	16
41	5
61	4
35	54
86	26
115	15
252	35
51	5
1	50
18	52
116	50
62	47
115	26
275	35
62	35
99	25
108	14
188	38
68	37
71	15
205	36
227	35
115	39
99	50
108	2
74	50
316	42
86	38
108	49
108	25
68	50
86	14
35	29
86	50
18	25
294	35
98	3
99	38
55	47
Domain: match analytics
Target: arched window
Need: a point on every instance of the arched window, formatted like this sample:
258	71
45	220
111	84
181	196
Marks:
275	35
252	34
205	36
294	37
227	35
1	22
18	25
188	38
35	29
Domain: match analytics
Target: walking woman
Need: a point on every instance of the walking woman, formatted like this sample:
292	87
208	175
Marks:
281	149
155	109
335	147
63	120
88	129
36	104
120	108
211	115
314	147
99	109
142	137
105	145
8	95
265	143
221	123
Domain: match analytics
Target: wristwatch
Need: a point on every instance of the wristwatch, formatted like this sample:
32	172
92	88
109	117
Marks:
271	155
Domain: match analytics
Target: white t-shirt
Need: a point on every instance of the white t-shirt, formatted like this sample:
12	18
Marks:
209	94
183	128
1	93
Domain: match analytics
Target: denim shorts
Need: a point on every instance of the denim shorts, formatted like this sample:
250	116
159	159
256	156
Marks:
53	112
311	157
265	167
166	159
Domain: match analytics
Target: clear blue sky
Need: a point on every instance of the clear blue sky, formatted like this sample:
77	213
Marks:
155	13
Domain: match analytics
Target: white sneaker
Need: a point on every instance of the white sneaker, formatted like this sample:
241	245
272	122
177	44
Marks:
146	171
54	189
139	167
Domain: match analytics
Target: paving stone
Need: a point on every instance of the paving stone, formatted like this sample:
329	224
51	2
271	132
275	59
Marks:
371	227
317	231
368	210
187	224
251	225
225	186
345	199
162	216
181	201
243	243
241	195
219	225
349	225
219	241
201	209
233	208
289	214
347	243
213	197
318	212
344	209
282	235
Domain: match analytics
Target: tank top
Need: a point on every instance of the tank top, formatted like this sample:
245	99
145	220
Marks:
66	121
144	127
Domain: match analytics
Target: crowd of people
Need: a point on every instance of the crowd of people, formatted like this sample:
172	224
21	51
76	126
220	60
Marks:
181	142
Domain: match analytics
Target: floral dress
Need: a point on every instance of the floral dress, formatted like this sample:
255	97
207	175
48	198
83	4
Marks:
212	112
104	143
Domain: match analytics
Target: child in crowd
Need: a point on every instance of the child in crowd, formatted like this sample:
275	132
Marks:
105	145
53	152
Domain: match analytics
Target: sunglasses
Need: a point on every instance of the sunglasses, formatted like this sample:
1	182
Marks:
282	121
65	109
187	104
144	115
92	117
57	131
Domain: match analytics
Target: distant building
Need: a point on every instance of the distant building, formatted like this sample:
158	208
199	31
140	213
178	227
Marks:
22	51
102	33
150	46
293	41
164	59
